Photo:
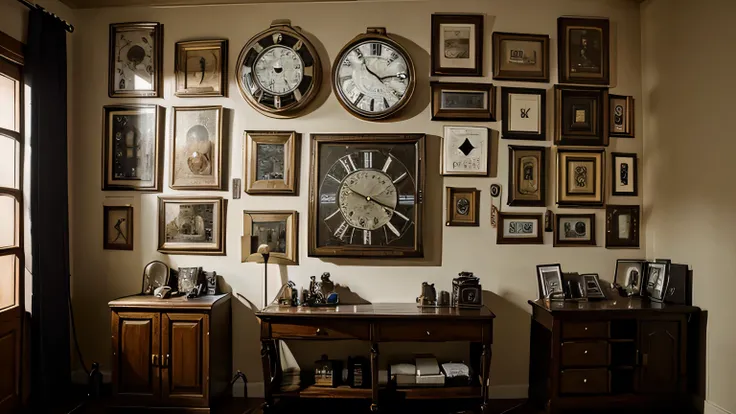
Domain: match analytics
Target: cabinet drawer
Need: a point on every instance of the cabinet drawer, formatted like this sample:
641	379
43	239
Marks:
584	381
584	354
431	332
325	330
572	330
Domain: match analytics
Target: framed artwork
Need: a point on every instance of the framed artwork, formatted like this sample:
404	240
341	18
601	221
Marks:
572	230
465	151
622	227
196	151
625	174
629	275
132	147
527	176
117	228
277	229
658	275
580	179
583	51
621	116
549	280
580	116
463	206
457	44
592	285
524	113
271	162
191	225
463	102
201	68
520	228
136	60
520	57
366	195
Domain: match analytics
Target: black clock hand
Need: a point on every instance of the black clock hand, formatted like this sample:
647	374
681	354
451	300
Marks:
368	198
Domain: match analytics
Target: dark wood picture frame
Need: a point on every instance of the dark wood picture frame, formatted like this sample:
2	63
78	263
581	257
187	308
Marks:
180	60
219	248
649	287
558	242
628	118
620	279
521	76
564	198
538	239
291	141
158	57
566	72
592	104
632	175
454	217
438	19
541	289
486	114
613	241
506	132
129	225
515	199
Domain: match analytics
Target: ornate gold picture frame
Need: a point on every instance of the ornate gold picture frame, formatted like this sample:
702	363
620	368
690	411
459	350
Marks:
277	229
271	162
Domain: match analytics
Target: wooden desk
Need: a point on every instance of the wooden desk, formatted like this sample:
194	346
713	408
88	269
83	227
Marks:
378	323
622	353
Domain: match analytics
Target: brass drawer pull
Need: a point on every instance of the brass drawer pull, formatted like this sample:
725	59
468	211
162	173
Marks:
586	351
321	332
585	380
154	360
165	360
586	328
428	334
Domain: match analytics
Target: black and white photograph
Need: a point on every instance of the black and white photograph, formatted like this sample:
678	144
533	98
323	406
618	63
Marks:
520	57
520	228
583	53
625	174
191	225
465	151
270	162
549	281
196	153
657	279
457	45
463	101
524	113
201	68
135	60
574	230
276	229
118	228
629	275
272	234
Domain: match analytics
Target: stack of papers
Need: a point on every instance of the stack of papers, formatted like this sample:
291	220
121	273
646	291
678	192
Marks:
428	372
404	374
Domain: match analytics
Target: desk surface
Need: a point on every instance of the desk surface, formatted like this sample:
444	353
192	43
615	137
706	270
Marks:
376	311
632	304
178	302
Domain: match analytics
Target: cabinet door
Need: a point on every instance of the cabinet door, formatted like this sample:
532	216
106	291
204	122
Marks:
659	345
136	354
185	349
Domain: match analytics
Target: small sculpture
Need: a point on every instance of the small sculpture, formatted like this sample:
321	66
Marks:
320	293
428	296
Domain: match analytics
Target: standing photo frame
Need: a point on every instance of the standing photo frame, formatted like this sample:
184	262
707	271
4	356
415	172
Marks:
580	178
463	206
276	229
136	60
472	102
457	44
196	150
191	225
524	113
621	116
629	275
574	230
581	116
201	68
624	175
527	176
622	226
118	228
465	151
271	161
583	51
657	280
520	57
549	281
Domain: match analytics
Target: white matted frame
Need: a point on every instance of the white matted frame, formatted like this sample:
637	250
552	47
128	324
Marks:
465	151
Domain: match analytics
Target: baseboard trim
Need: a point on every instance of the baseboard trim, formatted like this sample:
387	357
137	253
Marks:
711	408
496	392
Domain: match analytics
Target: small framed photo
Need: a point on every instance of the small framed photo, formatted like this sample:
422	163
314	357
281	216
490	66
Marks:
457	44
196	151
527	176
117	228
463	206
658	274
132	147
583	52
580	116
592	285
277	229
463	102
573	230
625	175
465	151
629	275
520	57
191	225
622	227
524	113
136	60
621	116
549	281
201	68
271	162
580	178
520	228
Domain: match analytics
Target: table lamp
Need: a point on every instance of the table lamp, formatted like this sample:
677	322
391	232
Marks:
265	251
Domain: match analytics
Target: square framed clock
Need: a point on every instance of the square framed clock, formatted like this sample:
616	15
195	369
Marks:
365	195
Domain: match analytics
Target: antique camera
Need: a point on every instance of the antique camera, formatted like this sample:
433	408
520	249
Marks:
327	373
191	281
359	372
428	296
466	291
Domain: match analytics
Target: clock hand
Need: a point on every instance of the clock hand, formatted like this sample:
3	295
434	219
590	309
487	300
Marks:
368	198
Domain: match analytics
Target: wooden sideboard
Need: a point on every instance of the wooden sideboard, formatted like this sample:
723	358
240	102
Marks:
377	323
171	352
621	353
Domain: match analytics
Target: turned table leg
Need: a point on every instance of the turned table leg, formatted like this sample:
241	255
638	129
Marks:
486	355
267	350
374	378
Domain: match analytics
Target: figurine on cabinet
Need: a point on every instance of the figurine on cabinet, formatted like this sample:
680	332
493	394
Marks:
320	293
428	296
466	291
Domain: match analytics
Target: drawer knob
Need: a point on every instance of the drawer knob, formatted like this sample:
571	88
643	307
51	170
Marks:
321	332
585	380
586	328
586	351
428	333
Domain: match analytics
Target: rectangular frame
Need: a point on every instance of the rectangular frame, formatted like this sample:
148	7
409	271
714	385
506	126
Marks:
521	76
558	242
597	135
219	244
486	114
506	104
624	281
627	116
217	165
515	199
129	226
180	57
454	217
600	293
538	239
612	227
632	176
651	288
542	287
291	141
565	71
485	140
157	57
564	199
249	251
438	20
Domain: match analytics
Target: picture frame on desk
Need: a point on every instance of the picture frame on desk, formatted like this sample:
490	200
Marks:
630	275
549	280
658	273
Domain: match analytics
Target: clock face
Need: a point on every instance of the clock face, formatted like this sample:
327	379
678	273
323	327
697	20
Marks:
279	70
374	78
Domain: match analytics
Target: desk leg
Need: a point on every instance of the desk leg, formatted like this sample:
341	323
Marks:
486	355
267	352
374	378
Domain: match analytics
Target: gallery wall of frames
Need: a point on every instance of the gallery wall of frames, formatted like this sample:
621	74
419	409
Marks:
387	143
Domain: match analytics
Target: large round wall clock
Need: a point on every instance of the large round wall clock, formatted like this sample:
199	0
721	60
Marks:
373	76
365	196
279	71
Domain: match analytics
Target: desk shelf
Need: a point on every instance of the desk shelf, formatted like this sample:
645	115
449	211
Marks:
425	393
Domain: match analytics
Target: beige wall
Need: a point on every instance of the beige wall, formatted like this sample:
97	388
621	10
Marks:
688	92
507	271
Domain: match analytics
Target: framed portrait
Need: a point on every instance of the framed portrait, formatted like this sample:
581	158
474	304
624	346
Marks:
457	44
624	176
583	51
658	275
191	225
201	68
629	275
580	116
276	229
136	60
463	206
524	113
520	228
592	285
196	150
527	176
549	281
520	57
572	230
132	147
465	151
580	179
463	102
117	228
621	116
622	226
271	162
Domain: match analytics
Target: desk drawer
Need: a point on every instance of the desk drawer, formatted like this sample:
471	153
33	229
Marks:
323	330
584	381
430	331
573	330
584	354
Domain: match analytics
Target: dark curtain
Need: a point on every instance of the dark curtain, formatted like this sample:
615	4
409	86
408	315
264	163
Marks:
46	75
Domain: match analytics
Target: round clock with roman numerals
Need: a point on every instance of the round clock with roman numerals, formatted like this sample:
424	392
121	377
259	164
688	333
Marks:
366	195
279	71
373	76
